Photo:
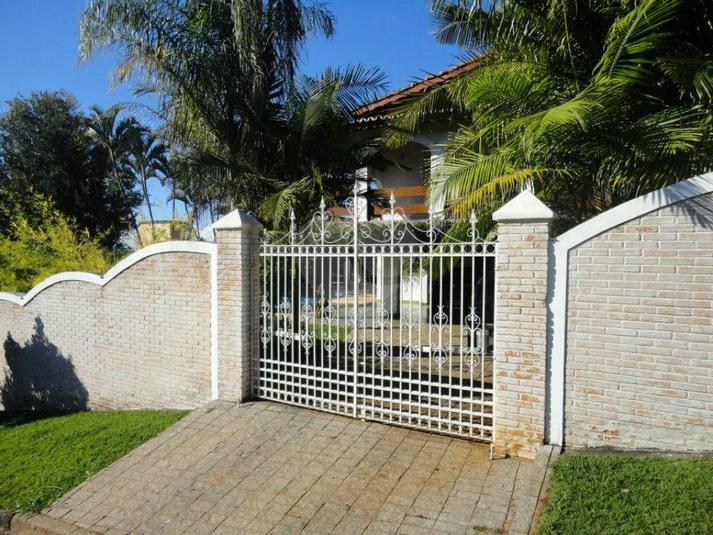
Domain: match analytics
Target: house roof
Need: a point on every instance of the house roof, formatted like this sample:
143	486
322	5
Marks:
378	108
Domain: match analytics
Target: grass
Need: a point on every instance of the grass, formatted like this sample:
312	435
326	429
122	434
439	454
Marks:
42	457
615	494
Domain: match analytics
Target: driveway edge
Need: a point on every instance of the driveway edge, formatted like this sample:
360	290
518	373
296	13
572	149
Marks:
554	453
39	524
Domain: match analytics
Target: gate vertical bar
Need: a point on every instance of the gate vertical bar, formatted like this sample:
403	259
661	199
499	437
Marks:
355	286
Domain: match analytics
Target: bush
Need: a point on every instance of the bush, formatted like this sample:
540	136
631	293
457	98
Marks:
32	251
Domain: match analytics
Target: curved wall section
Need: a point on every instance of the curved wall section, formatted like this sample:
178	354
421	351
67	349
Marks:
137	337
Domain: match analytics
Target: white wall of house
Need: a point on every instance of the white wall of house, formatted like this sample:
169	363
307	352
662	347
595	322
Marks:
406	170
435	143
411	163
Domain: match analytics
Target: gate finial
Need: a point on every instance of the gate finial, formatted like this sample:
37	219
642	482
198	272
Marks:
473	232
293	228
322	208
431	236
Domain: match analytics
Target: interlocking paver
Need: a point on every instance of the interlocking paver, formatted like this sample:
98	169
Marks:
262	467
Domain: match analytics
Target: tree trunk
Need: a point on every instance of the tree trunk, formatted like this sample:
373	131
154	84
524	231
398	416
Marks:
195	220
145	187
173	200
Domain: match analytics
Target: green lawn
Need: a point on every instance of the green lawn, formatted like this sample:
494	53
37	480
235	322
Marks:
42	457
619	494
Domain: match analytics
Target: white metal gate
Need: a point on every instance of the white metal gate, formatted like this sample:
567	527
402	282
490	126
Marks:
388	321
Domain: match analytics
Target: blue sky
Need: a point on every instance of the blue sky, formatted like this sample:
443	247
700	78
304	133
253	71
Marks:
38	50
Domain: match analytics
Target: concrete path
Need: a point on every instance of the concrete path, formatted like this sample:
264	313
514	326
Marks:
263	468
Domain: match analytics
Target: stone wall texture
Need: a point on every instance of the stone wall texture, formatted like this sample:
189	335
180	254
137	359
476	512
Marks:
639	365
520	349
140	341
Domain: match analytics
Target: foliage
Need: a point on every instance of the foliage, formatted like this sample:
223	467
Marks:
148	160
593	102
33	248
118	136
613	494
47	146
193	187
28	204
42	457
234	107
319	150
136	155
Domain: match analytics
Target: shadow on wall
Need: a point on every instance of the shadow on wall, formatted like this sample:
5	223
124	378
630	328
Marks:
699	210
39	378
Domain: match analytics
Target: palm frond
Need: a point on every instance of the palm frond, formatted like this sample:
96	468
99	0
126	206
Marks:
633	40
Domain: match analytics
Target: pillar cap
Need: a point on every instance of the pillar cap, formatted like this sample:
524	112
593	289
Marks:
237	219
524	207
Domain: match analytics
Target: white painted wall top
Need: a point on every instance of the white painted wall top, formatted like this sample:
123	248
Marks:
236	219
693	187
101	280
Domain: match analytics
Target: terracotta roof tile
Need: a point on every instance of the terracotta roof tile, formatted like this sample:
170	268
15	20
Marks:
388	100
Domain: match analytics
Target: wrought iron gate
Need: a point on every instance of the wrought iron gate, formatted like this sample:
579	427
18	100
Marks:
389	321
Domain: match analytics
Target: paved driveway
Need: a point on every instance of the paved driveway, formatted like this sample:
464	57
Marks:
269	468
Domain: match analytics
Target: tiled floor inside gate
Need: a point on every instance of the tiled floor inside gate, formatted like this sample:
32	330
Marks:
268	468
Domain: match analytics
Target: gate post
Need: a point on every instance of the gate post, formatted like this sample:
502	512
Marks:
238	310
521	326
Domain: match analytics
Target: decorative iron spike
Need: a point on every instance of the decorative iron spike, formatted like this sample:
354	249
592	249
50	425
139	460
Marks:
392	222
473	232
431	236
322	208
355	202
292	225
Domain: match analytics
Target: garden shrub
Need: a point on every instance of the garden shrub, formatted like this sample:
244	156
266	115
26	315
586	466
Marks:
32	251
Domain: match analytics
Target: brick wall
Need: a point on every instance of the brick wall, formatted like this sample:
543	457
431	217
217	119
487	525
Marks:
238	308
520	359
639	365
142	340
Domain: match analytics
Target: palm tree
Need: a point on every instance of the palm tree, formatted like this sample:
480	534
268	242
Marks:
115	135
319	153
149	160
592	101
222	70
188	188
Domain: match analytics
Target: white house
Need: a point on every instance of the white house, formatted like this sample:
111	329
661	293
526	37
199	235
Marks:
405	178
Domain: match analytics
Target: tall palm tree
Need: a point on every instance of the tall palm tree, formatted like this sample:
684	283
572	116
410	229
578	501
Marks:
593	101
116	136
149	161
222	70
